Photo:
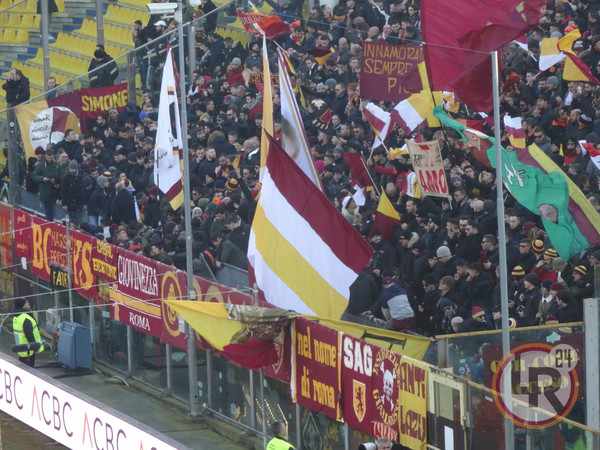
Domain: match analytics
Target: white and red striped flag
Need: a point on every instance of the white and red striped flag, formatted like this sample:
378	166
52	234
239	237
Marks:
168	148
380	122
303	253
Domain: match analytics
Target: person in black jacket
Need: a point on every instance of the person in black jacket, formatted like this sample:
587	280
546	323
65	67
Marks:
103	69
122	208
478	288
569	309
207	6
71	192
16	87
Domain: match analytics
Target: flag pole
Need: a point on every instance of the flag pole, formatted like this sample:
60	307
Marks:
191	350
509	442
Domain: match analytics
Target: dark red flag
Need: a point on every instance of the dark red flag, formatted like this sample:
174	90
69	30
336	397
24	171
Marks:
459	37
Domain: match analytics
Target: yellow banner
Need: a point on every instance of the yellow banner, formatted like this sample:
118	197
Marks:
403	344
412	401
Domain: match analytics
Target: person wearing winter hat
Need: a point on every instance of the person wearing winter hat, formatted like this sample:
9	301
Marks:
544	269
71	193
538	247
444	315
477	321
530	298
395	307
26	331
547	304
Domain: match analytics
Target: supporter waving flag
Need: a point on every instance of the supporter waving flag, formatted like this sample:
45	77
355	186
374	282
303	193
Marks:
380	122
537	183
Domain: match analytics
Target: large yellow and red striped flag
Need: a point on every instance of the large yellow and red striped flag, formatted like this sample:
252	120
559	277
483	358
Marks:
303	254
386	219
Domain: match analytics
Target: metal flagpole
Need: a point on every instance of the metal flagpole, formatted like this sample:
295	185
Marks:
192	357
509	430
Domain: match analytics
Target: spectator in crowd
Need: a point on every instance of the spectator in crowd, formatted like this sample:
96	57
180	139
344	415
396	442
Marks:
16	87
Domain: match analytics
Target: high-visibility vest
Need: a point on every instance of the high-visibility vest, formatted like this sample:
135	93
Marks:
20	337
278	444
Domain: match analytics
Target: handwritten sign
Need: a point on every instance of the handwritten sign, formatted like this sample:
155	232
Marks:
427	163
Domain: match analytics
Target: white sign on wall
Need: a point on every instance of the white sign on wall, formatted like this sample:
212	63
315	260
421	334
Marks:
66	418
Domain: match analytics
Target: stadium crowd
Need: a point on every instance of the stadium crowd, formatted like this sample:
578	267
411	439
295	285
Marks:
439	274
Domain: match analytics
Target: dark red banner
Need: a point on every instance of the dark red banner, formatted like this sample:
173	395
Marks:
136	299
317	385
104	260
6	239
370	387
22	234
82	276
101	100
384	69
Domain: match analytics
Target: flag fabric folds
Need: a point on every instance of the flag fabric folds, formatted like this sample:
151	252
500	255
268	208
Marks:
380	122
358	170
457	51
267	107
413	111
549	53
386	219
293	136
168	148
537	183
259	24
303	253
236	329
575	68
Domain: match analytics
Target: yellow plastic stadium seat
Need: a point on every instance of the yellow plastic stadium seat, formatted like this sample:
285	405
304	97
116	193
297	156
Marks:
60	4
14	20
8	36
22	36
3	19
5	4
26	21
36	22
38	59
30	7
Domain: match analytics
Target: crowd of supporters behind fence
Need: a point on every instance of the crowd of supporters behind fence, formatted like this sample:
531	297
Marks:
439	273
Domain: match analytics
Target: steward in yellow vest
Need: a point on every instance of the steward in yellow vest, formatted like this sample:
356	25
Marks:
279	442
26	331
